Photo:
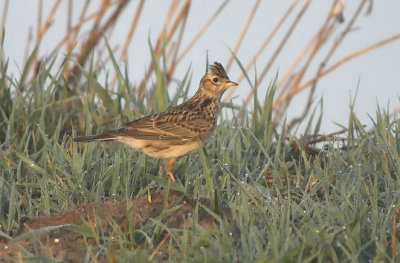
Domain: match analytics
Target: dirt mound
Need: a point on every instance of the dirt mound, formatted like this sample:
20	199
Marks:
66	235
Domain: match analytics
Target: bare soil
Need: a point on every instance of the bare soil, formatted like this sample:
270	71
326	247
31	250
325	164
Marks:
71	245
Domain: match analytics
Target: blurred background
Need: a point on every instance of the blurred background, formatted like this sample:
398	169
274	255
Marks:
330	51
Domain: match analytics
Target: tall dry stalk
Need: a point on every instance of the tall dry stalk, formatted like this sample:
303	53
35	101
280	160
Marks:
103	20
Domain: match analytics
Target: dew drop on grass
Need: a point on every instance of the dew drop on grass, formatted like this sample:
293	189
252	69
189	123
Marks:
344	227
189	182
230	233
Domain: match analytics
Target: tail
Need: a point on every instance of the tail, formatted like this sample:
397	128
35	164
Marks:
99	137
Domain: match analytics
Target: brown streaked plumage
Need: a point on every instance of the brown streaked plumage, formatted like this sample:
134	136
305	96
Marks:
176	131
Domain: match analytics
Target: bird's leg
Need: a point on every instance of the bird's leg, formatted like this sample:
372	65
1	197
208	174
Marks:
168	167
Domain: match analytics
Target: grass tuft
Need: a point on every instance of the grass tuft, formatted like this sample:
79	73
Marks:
315	198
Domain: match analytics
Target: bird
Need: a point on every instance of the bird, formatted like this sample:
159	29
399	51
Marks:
179	130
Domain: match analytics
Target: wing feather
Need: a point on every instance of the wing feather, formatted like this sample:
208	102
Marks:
171	125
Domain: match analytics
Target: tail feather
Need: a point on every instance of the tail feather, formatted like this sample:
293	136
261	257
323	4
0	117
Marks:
99	137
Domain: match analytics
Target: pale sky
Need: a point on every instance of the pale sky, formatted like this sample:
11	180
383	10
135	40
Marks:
376	74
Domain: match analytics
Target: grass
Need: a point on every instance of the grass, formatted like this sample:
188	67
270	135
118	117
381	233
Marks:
289	203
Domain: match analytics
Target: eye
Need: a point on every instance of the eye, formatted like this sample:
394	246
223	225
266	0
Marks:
215	80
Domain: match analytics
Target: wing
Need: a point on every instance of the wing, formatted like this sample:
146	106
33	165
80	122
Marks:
173	124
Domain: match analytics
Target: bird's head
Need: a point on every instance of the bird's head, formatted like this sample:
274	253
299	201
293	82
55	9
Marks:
215	82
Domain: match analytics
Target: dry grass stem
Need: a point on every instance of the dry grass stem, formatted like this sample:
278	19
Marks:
175	46
132	29
3	20
202	30
95	36
322	35
166	38
279	48
242	34
355	54
159	246
263	46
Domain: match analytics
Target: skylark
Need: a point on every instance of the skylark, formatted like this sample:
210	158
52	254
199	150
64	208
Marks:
179	130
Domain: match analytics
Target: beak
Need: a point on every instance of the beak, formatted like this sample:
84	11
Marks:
230	84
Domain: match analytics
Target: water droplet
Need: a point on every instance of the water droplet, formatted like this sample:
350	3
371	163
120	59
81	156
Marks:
242	182
230	233
344	227
56	240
